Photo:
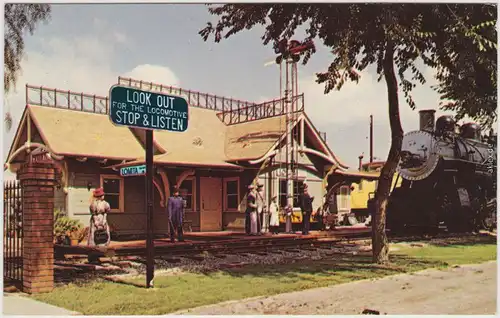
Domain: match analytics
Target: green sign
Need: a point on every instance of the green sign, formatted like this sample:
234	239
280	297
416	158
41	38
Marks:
141	109
133	171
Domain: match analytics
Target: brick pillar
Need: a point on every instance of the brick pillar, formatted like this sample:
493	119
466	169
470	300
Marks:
37	182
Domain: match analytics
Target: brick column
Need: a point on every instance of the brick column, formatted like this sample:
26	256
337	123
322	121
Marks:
37	181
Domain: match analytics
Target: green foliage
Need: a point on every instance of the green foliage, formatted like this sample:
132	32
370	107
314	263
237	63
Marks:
456	39
63	225
19	18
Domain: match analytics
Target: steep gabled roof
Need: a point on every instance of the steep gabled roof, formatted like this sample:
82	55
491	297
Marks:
207	141
69	132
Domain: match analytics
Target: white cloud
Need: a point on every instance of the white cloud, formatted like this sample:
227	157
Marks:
345	114
79	64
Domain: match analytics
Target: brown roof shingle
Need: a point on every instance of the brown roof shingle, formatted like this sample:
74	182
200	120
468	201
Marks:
84	134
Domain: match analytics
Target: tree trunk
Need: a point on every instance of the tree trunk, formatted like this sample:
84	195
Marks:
379	238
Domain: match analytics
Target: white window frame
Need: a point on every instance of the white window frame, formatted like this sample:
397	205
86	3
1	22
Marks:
344	202
193	198
298	191
225	181
121	198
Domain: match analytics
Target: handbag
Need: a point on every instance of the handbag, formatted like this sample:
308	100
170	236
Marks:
100	236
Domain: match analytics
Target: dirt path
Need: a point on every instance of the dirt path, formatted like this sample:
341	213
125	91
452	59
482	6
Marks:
468	289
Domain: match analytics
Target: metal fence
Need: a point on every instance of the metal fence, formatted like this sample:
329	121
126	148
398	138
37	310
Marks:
194	98
230	111
39	95
12	231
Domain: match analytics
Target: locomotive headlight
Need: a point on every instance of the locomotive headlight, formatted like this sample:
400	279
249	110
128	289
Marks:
418	155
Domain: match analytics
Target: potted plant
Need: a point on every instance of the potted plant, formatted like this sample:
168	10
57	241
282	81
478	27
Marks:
76	236
64	227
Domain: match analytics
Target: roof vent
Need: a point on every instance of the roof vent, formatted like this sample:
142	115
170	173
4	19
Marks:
197	141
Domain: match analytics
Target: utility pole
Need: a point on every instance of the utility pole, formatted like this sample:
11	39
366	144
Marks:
371	138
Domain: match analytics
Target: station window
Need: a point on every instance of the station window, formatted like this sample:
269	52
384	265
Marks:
283	193
297	191
189	185
113	188
344	202
231	194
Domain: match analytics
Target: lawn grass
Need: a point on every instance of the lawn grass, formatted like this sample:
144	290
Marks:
172	293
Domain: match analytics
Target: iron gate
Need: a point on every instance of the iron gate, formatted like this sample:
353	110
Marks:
12	232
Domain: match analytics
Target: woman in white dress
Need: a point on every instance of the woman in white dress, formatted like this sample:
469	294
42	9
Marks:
274	223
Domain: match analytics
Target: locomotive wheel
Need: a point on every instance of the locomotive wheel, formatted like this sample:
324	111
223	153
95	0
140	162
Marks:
488	215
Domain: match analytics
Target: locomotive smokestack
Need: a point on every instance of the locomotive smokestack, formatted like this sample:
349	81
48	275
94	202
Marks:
360	157
427	120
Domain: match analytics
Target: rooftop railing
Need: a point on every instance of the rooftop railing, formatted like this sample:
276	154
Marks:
267	109
194	98
230	111
52	97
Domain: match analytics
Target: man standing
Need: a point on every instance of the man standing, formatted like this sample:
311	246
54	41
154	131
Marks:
306	207
251	226
175	215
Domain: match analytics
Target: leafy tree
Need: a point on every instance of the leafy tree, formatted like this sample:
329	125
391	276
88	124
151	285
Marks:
393	37
19	18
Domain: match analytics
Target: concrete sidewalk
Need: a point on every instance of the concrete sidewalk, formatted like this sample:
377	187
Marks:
19	304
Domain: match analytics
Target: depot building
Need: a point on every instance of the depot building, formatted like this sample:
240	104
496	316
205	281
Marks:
222	150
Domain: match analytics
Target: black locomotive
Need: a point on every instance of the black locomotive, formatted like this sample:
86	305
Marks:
448	178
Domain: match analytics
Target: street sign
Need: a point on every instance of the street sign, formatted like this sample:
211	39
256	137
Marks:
142	109
133	171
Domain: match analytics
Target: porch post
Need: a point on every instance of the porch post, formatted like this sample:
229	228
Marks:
37	182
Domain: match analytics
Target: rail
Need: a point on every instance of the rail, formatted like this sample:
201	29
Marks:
194	98
44	96
259	111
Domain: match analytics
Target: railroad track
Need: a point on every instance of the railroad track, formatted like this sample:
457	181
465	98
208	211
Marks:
215	247
237	246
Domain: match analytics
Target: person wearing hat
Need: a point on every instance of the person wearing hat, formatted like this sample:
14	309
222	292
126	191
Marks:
251	212
175	209
274	222
99	233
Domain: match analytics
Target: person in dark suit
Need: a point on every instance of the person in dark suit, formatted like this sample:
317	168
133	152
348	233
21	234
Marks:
306	207
176	215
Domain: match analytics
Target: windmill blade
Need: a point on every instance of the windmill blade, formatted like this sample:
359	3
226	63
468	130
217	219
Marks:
271	62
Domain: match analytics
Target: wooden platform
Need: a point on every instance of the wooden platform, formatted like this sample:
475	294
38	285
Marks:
195	240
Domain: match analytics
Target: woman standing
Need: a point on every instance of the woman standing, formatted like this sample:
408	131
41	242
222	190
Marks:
99	234
274	223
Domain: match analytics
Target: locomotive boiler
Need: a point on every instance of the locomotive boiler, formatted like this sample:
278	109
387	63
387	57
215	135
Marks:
448	178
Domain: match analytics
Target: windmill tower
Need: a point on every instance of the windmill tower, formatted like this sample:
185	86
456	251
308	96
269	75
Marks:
289	55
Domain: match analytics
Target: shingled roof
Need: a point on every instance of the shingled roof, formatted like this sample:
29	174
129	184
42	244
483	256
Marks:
208	141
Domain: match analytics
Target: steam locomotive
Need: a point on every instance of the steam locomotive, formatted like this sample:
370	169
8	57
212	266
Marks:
448	178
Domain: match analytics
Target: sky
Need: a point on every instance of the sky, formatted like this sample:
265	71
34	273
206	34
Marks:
85	47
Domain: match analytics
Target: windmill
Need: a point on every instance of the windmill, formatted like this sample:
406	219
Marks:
289	52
